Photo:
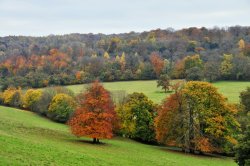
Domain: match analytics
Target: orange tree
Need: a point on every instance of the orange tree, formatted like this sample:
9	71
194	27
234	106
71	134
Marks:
157	63
95	114
197	118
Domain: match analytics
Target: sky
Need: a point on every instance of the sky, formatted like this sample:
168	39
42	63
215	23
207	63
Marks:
46	17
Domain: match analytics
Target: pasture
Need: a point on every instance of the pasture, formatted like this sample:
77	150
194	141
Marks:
28	139
230	89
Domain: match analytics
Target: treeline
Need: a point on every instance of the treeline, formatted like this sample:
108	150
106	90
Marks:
81	58
194	118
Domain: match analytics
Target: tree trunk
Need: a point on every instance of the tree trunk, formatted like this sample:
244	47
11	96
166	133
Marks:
94	140
97	141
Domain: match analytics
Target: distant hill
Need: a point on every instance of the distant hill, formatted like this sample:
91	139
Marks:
80	58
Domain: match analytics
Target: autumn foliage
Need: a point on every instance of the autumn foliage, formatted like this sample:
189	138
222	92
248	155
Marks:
12	97
95	114
31	97
157	63
61	107
197	118
136	116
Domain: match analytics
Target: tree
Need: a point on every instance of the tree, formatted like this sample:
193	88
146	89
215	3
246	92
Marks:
194	74
123	61
137	117
245	99
242	150
157	63
95	114
106	55
211	69
169	121
42	105
226	66
197	118
241	45
12	97
31	97
193	67
164	82
61	107
179	71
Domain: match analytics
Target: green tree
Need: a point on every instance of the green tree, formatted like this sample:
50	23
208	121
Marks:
61	107
193	67
164	82
137	117
242	150
211	69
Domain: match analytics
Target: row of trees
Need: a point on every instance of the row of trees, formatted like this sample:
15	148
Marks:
195	118
56	103
229	67
76	58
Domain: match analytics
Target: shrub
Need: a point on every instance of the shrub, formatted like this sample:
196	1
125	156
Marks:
12	97
61	107
30	98
42	105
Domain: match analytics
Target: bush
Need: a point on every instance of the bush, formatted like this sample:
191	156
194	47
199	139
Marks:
12	97
42	105
30	98
61	107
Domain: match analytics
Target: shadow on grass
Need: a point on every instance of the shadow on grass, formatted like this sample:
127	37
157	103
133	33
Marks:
87	142
163	92
196	154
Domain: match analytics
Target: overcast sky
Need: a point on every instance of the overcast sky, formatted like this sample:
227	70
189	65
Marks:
45	17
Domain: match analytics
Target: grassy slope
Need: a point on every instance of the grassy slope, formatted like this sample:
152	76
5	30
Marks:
27	139
230	89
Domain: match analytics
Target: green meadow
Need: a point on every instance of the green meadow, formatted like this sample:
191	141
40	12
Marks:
28	139
230	89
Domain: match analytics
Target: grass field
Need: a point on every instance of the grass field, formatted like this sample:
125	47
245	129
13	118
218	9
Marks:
27	139
230	89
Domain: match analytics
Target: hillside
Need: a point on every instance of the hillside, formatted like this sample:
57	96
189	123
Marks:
32	140
81	58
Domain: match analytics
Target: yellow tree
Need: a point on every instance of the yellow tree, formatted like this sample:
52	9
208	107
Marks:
12	97
226	65
123	61
31	97
241	45
106	55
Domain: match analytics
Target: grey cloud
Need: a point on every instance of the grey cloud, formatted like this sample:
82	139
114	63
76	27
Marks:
36	17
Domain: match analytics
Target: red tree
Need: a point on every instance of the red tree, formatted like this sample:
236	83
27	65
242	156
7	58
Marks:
95	115
157	63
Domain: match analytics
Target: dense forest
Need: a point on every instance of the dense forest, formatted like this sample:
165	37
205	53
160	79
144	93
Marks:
193	54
